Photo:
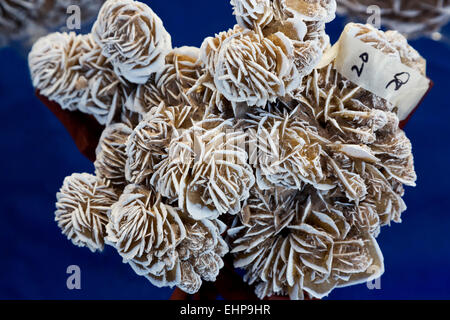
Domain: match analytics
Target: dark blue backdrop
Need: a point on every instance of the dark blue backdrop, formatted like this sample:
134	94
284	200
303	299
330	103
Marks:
37	153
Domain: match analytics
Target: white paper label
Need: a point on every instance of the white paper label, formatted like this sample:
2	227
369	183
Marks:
378	73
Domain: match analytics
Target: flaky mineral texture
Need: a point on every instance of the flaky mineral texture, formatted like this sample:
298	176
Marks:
290	241
81	209
70	70
111	154
162	242
123	24
252	143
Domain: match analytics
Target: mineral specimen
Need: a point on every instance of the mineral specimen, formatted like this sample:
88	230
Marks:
162	242
249	134
133	38
70	70
111	154
81	209
290	241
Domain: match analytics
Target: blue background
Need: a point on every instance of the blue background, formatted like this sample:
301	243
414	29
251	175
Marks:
37	153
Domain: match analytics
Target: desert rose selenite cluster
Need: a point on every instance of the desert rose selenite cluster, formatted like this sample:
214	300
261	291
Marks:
243	146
